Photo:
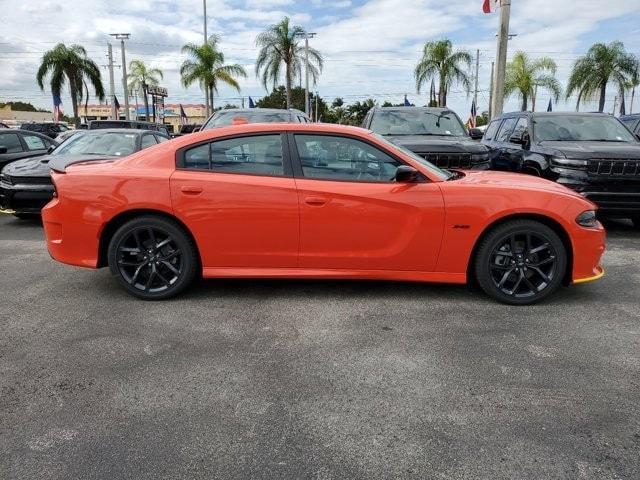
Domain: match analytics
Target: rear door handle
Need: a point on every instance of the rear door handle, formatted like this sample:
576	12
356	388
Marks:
315	201
191	190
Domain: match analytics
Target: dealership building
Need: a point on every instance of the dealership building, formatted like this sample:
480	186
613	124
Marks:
196	113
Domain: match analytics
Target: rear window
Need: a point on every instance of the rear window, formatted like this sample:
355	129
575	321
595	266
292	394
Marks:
223	119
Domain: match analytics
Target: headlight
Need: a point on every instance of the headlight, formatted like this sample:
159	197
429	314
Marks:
568	162
587	219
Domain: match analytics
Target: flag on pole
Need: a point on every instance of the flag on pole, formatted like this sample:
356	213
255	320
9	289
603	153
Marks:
251	104
474	114
116	103
550	106
406	102
183	116
490	6
623	108
57	112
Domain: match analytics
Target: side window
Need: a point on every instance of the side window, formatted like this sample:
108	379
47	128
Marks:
34	142
520	128
11	142
340	158
257	155
491	130
160	138
147	141
505	130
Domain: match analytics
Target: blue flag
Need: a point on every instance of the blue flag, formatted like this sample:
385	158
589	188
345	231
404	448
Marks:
251	104
550	106
57	101
406	102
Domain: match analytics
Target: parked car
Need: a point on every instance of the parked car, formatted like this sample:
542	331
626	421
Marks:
315	201
25	185
632	122
436	134
68	134
135	124
239	116
50	129
17	144
187	129
591	153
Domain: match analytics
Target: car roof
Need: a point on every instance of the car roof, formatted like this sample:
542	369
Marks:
137	131
403	109
551	114
5	131
257	109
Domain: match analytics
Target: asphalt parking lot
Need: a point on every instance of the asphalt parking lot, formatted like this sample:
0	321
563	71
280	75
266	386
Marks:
323	380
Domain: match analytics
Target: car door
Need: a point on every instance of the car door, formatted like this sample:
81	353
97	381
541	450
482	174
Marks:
36	144
513	151
15	148
353	215
238	197
501	159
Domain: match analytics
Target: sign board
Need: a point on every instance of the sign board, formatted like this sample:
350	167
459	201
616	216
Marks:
157	91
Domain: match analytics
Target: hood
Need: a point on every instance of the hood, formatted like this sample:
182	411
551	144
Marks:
39	166
513	180
437	144
587	150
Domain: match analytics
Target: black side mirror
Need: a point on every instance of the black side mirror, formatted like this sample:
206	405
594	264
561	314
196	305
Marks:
3	149
476	133
406	174
522	139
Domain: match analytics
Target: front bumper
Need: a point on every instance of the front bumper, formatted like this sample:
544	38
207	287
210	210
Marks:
25	198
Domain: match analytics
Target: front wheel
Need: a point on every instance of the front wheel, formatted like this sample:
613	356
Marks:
520	262
152	258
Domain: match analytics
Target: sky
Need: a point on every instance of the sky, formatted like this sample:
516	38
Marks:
370	46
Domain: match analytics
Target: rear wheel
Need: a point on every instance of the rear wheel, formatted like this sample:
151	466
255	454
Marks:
152	258
520	262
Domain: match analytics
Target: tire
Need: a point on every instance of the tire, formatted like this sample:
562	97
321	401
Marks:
532	274
147	272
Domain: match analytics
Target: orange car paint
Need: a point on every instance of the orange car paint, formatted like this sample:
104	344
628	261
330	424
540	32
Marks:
256	226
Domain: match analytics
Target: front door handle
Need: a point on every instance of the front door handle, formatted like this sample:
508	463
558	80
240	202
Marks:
315	201
191	190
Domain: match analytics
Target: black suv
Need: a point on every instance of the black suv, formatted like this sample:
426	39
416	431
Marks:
436	134
592	153
49	129
135	124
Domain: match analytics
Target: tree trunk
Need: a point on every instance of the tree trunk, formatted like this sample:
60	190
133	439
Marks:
442	92
146	102
211	99
288	85
74	103
603	94
525	101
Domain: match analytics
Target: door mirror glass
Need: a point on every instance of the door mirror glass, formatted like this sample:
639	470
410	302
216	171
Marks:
406	174
3	149
476	133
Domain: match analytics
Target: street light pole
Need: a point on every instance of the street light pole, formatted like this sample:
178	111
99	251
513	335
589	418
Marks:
122	37
501	58
111	84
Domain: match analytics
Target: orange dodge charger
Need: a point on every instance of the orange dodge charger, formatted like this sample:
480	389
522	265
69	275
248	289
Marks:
315	201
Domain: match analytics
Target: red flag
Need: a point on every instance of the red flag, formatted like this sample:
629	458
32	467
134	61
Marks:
490	6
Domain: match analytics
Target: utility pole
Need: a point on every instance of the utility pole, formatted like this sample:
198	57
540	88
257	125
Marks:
112	87
206	89
122	37
501	58
475	90
491	92
633	94
307	36
615	104
316	112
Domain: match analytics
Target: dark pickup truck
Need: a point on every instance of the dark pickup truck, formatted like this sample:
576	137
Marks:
591	153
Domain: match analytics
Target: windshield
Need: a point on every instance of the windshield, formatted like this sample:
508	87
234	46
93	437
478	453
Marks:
222	119
416	122
108	143
579	128
441	174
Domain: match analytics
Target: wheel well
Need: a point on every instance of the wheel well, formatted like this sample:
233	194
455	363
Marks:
116	222
549	222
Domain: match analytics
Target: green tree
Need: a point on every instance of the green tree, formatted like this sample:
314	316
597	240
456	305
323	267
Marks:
140	77
358	110
70	65
279	46
441	62
278	99
206	66
524	75
601	65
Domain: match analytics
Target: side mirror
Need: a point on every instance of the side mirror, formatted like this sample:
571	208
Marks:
51	148
3	149
522	139
476	133
406	174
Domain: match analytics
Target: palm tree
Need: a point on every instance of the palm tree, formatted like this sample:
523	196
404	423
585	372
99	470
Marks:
70	65
279	46
602	64
207	67
524	75
140	77
439	60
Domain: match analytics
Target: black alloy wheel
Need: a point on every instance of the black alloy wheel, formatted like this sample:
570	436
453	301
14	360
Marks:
152	257
521	262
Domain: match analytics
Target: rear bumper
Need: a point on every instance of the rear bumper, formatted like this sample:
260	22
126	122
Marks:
25	198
